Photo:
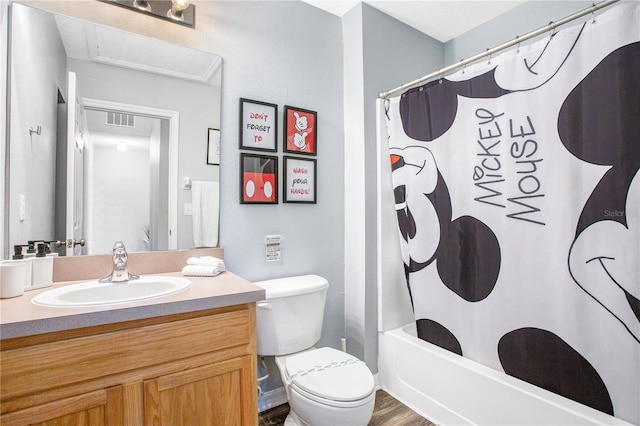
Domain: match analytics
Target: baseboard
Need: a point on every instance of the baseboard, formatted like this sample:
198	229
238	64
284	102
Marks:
272	398
376	382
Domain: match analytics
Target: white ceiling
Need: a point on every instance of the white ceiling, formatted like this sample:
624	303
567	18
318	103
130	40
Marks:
440	19
91	42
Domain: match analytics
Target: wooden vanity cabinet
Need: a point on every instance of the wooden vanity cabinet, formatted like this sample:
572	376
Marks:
196	368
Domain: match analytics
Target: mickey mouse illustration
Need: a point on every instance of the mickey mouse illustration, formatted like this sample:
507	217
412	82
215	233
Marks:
301	122
300	138
599	261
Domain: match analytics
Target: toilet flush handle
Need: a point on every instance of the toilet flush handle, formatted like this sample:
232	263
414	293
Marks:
264	305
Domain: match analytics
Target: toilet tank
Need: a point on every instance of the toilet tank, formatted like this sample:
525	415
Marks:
290	318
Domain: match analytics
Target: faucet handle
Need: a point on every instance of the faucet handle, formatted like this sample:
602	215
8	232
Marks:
119	245
120	271
120	257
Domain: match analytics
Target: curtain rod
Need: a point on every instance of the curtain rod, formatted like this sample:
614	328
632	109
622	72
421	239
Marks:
549	27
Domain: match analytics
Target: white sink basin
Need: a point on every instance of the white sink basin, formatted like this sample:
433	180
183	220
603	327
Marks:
93	293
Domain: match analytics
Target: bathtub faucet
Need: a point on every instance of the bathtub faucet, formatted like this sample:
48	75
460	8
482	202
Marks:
120	272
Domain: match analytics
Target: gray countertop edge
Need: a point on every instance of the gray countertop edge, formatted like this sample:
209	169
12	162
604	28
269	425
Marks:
122	314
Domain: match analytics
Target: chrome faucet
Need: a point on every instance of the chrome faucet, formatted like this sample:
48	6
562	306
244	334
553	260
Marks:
120	272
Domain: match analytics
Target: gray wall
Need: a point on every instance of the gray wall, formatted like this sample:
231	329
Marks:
517	21
34	87
4	33
287	53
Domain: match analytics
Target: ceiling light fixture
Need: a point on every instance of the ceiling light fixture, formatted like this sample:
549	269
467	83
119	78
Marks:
177	11
142	5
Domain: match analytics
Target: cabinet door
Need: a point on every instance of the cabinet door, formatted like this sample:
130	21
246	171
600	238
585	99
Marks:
224	393
102	407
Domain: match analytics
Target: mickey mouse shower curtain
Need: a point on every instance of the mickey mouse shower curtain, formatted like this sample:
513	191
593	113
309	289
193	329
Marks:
517	191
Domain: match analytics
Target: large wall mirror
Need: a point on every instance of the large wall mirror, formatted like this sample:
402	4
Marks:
109	138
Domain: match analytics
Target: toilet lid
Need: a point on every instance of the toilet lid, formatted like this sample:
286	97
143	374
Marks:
330	374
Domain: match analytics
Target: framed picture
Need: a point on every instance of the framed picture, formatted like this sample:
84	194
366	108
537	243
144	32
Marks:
213	147
299	180
258	125
258	179
300	131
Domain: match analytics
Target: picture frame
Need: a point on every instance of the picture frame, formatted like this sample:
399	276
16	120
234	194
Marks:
258	179
258	125
300	183
213	147
300	131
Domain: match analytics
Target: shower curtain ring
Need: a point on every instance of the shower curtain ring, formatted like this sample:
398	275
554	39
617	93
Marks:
463	65
593	13
518	46
489	55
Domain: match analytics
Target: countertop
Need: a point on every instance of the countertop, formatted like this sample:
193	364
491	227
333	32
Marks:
19	317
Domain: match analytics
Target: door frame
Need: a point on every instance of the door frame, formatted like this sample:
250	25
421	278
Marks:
174	130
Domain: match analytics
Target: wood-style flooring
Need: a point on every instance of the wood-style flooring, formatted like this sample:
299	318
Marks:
388	411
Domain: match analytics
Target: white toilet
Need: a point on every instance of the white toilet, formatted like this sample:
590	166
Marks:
324	386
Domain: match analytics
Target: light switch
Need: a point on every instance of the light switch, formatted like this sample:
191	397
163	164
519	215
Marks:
188	209
186	182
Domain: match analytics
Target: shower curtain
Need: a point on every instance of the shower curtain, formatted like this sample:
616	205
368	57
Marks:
517	191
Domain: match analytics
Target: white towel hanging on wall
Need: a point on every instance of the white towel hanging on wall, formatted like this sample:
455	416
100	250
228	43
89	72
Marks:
205	196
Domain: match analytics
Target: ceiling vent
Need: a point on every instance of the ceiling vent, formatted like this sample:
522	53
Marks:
120	119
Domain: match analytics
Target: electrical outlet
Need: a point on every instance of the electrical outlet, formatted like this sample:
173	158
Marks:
188	209
273	245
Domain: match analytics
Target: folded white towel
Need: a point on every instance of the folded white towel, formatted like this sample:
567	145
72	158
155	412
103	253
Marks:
205	261
202	271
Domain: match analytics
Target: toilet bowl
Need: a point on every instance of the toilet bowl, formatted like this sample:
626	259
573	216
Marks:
324	386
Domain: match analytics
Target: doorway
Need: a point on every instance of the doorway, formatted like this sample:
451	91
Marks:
130	173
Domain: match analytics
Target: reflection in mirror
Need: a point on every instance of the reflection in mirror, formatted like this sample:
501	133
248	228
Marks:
123	118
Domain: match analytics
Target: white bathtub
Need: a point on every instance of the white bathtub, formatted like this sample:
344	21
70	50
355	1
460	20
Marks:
451	390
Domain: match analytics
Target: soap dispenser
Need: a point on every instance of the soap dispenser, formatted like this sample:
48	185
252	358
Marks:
42	267
31	250
19	258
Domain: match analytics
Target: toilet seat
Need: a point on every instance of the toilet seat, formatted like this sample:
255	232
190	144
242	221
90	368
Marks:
330	377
